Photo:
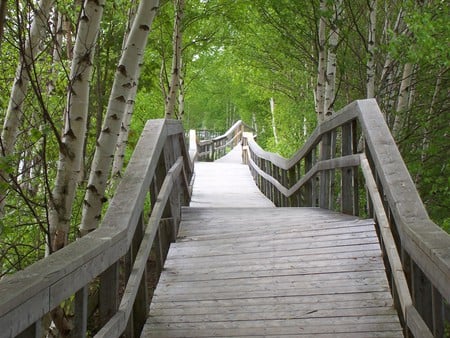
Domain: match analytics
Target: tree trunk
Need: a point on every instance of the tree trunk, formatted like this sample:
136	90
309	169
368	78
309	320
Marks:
274	127
181	95
19	90
403	98
3	8
371	49
122	141
71	150
125	80
321	67
174	84
330	85
390	69
426	127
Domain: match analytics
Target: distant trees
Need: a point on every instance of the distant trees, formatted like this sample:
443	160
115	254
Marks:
316	55
68	90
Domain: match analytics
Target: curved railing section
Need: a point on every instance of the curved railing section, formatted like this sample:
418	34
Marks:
143	216
213	149
328	172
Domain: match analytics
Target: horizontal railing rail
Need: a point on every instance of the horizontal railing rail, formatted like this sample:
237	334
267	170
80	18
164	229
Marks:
115	256
327	172
213	149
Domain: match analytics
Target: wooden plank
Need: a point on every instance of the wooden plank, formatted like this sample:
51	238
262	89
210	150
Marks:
276	231
339	331
240	269
293	325
279	252
242	287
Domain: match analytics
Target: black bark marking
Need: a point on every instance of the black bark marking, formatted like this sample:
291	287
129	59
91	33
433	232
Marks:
122	70
70	134
92	188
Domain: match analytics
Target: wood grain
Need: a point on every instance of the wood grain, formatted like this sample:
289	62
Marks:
240	268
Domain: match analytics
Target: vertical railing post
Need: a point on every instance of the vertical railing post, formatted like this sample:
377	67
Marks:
325	151
347	173
81	312
292	179
309	187
109	293
355	140
140	306
33	331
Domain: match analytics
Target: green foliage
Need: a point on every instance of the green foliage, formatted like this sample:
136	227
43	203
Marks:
428	34
237	55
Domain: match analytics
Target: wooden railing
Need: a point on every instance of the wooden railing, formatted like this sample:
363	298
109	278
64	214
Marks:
143	216
328	172
210	150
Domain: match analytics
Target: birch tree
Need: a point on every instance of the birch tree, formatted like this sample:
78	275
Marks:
371	66
274	127
122	140
75	117
19	90
124	81
321	65
174	82
404	97
3	9
330	84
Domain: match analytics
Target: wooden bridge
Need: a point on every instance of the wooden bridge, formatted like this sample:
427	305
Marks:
334	243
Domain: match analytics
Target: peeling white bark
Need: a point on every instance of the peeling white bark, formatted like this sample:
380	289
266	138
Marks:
403	98
321	66
71	152
330	84
19	90
125	80
174	84
371	43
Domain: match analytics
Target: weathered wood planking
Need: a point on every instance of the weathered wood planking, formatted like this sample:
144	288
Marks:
226	183
240	268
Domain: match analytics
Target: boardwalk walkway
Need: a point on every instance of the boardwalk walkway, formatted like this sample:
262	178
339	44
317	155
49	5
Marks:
242	267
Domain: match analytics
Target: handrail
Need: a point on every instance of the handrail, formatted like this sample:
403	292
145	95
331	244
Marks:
408	311
310	178
159	170
213	149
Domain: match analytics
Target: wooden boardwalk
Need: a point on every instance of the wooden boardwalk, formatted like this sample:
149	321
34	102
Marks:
242	267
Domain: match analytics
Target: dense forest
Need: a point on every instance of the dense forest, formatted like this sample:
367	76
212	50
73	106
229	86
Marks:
79	79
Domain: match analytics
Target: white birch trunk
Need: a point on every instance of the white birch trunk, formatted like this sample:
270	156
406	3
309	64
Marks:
71	151
174	83
390	69
403	98
125	80
426	132
58	31
274	127
20	87
330	84
122	140
371	49
181	94
321	67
